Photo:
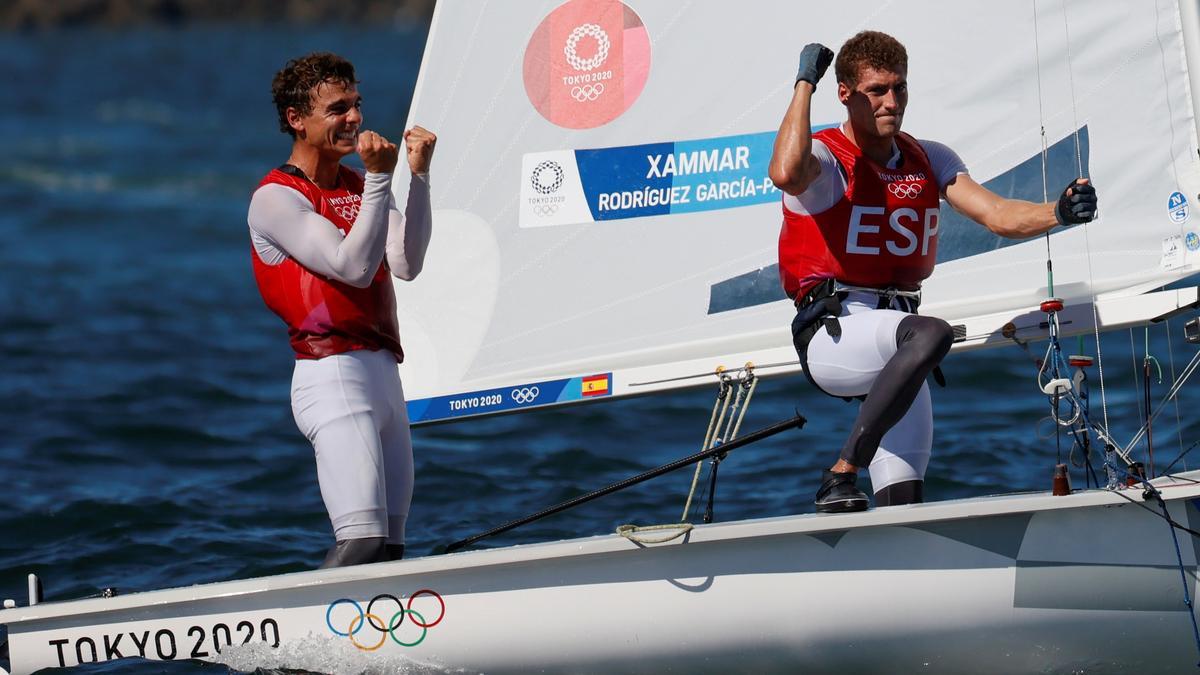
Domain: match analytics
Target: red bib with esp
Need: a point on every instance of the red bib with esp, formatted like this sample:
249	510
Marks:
882	232
325	316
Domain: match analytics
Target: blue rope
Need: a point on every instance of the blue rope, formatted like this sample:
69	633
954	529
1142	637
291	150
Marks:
1187	597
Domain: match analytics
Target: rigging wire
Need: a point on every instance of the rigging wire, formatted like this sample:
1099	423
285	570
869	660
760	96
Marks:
1146	361
1134	373
1182	452
1054	350
1178	417
1187	373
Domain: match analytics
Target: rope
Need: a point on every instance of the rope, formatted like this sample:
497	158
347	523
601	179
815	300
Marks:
746	405
730	417
733	412
722	397
1187	596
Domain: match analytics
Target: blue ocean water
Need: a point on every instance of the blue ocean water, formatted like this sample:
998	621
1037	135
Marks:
148	439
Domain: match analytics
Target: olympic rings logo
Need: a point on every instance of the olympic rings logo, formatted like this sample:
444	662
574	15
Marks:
348	213
385	629
588	92
602	45
539	171
905	190
525	394
543	210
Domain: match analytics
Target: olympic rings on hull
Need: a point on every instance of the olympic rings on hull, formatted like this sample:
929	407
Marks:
525	394
384	629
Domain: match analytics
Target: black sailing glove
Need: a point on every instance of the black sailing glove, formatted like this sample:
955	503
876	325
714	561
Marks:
1077	203
814	60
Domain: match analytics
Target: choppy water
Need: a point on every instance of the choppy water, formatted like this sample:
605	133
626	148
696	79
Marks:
147	436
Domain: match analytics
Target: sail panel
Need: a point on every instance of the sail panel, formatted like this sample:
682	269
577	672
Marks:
602	208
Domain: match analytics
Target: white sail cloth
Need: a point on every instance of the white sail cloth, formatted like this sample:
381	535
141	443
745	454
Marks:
604	220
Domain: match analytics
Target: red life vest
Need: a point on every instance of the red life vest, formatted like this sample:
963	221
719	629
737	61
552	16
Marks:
882	232
325	316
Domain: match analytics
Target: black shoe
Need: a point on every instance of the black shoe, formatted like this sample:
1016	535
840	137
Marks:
838	494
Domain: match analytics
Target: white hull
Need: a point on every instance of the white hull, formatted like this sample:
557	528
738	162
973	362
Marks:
1001	584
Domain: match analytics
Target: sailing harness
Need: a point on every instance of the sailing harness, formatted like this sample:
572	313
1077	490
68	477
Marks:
822	305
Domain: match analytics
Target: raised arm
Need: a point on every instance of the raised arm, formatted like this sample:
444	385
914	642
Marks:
283	222
793	167
409	233
1015	218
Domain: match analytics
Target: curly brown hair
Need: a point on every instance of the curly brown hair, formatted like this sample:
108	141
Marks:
292	86
869	48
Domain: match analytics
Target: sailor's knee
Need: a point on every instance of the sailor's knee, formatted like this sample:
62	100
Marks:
932	335
943	335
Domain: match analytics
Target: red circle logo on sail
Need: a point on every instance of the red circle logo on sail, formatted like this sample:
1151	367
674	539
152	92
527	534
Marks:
586	63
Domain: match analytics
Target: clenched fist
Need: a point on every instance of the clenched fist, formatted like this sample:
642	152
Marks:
420	142
378	154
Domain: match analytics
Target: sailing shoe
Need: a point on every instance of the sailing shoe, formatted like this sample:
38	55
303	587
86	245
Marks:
839	494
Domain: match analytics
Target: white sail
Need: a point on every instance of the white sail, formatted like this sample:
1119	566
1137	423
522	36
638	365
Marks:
604	224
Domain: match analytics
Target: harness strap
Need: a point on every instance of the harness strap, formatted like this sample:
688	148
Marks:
822	306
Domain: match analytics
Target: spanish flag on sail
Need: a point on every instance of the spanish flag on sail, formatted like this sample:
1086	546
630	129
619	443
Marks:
596	385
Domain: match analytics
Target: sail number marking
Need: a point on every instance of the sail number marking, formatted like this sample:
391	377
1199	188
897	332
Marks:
164	644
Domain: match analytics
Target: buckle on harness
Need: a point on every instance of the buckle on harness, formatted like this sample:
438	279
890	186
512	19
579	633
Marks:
886	295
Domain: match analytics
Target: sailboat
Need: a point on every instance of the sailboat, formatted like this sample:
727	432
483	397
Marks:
605	228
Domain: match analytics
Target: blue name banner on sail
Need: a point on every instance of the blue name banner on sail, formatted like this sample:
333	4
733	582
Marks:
487	401
654	179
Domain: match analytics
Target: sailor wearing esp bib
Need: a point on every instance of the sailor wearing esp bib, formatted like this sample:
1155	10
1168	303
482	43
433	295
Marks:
326	244
859	235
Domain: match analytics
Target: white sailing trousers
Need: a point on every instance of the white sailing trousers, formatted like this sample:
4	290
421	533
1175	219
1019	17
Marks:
351	408
849	365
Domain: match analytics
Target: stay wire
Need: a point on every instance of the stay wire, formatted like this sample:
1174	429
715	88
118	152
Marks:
1178	417
1182	452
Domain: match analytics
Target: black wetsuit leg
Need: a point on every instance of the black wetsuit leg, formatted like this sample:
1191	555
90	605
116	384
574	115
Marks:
356	552
907	492
922	342
395	551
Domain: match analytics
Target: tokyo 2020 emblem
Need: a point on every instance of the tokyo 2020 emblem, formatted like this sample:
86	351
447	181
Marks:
547	177
586	63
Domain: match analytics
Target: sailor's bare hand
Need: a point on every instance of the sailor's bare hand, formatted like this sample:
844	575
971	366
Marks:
378	155
420	142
